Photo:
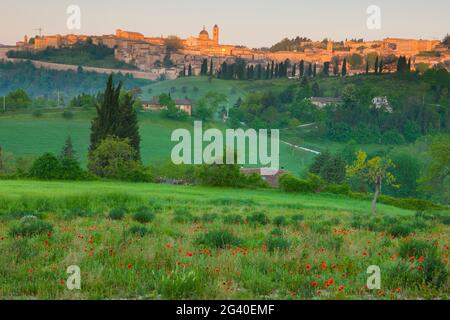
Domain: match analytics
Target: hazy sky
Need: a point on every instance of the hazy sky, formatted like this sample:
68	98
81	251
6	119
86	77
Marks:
254	23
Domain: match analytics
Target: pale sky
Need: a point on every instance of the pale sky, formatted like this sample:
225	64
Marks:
254	23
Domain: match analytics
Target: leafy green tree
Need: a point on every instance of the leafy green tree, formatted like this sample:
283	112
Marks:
115	159
68	150
170	110
209	104
17	99
376	171
436	179
407	171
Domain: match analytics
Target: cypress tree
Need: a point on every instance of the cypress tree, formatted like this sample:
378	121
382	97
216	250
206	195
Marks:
302	68
190	70
326	69
409	65
105	124
367	67
211	68
376	65
380	67
294	70
128	127
344	67
315	69
310	70
272	69
67	151
115	118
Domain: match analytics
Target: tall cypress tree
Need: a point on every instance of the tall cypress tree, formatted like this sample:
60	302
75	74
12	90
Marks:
294	70
190	70
376	65
115	118
105	124
128	127
302	68
310	70
380	67
211	68
67	151
344	67
367	67
272	69
409	65
315	69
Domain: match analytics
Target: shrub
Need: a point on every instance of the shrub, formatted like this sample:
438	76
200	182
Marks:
289	183
77	213
209	217
402	229
277	244
218	239
414	248
297	218
258	218
30	226
67	115
144	215
117	214
46	167
232	219
277	232
338	189
138	230
280	221
182	216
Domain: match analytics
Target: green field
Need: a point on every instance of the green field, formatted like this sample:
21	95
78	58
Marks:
146	241
23	134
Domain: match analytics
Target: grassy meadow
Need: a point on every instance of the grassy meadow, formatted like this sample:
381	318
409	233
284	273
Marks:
146	241
26	135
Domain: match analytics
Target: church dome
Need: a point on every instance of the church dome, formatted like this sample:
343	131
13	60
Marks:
204	34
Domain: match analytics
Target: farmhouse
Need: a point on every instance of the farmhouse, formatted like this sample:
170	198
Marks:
154	105
269	175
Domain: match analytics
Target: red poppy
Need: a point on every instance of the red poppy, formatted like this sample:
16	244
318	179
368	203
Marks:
308	266
314	284
129	266
189	254
341	288
324	265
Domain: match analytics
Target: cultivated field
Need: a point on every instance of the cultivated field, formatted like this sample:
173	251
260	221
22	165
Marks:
145	241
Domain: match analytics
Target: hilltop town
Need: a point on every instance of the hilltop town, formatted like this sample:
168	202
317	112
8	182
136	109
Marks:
168	57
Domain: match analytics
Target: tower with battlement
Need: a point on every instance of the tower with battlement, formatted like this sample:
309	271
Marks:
216	33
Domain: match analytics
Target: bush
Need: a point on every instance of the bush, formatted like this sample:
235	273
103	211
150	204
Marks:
297	218
67	115
280	221
258	218
289	183
30	226
209	217
414	248
402	229
182	216
138	230
343	189
46	167
232	219
144	215
218	239
117	214
277	244
77	213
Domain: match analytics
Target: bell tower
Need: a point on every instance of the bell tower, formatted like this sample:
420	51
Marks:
216	32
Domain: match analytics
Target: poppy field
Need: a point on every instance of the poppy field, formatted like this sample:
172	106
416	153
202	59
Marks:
141	241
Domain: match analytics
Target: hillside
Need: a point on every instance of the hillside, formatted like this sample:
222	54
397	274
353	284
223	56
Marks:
83	54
